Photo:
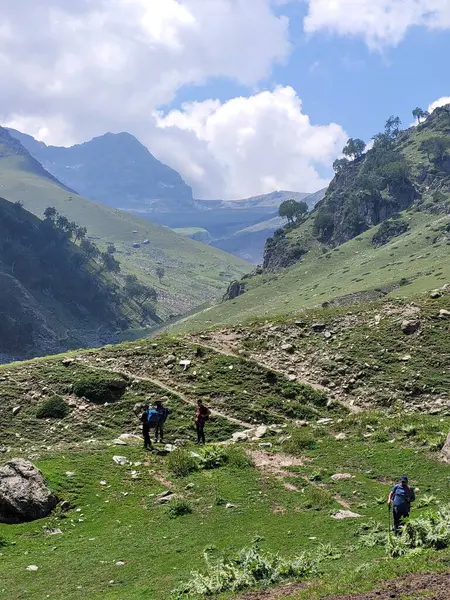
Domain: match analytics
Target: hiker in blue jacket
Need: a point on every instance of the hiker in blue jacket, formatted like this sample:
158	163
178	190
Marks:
400	499
149	420
163	413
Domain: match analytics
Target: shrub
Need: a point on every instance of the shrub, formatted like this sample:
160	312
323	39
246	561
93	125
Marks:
212	457
300	440
53	408
380	436
238	458
181	463
317	498
179	508
100	387
431	530
250	567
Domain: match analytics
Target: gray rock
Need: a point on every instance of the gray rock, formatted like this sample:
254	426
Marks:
24	495
444	314
68	361
339	476
120	460
446	451
318	327
170	360
435	294
64	506
3	449
16	410
288	348
138	408
410	326
345	514
185	363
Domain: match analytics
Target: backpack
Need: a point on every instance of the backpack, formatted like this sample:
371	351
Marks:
151	416
204	413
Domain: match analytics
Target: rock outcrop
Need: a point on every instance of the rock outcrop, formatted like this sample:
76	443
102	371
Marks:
24	495
446	450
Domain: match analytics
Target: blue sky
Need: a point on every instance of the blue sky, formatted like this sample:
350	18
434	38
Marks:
341	79
241	97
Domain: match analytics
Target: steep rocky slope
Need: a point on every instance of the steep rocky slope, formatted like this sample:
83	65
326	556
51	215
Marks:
52	297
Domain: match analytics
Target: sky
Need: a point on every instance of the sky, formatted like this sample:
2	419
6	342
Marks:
241	97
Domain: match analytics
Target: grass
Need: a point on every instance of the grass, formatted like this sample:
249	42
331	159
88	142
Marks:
356	267
194	272
121	521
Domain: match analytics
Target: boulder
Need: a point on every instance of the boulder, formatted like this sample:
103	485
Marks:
410	326
345	514
260	432
24	495
339	476
170	360
446	450
128	439
16	410
444	314
288	348
318	327
240	436
435	294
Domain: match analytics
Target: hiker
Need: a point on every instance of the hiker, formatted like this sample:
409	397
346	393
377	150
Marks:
163	413
149	420
201	416
400	498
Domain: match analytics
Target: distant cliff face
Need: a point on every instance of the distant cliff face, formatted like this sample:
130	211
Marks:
115	169
410	169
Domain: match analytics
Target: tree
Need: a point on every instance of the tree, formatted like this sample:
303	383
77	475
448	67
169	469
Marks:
138	291
354	148
89	249
392	128
80	233
110	264
436	148
50	213
62	223
339	165
111	249
418	114
292	210
160	272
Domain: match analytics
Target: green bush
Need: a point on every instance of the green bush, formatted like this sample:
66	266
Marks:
212	457
179	508
100	387
299	441
431	530
181	463
317	498
53	408
238	458
250	567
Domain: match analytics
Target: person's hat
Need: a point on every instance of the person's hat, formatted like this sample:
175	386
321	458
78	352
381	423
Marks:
404	478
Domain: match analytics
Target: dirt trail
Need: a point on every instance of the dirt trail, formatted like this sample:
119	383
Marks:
433	586
180	395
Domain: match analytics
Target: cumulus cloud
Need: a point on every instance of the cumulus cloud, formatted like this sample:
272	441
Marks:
379	22
71	70
250	145
437	103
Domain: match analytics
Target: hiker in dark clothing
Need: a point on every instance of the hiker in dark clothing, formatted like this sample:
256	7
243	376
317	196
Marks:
146	428
163	413
201	416
400	499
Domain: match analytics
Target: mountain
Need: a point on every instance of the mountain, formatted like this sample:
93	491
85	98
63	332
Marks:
115	169
52	297
193	273
383	228
248	243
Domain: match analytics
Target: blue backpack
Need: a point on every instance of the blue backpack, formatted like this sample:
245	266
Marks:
151	416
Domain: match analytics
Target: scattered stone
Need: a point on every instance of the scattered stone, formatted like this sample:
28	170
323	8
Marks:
265	445
24	495
16	410
138	408
64	506
128	439
410	326
435	294
406	357
165	494
444	314
70	474
169	448
189	486
52	531
229	505
327	334
68	361
339	476
32	568
170	360
103	482
445	454
288	348
185	363
302	423
318	327
240	436
377	319
260	432
120	563
340	436
120	460
345	514
324	421
292	377
3	449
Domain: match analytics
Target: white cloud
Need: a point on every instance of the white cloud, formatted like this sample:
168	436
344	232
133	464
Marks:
109	63
249	145
379	22
112	65
437	103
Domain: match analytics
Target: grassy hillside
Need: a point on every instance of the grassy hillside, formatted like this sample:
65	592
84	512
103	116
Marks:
52	296
281	492
194	273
